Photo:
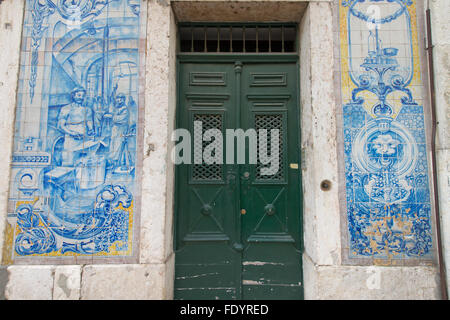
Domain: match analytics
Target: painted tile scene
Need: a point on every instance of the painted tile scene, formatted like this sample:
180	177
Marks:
386	169
73	185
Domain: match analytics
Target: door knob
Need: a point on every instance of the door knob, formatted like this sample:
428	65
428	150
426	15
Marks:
243	211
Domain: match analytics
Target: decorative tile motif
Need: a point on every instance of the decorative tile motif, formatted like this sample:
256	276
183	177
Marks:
387	190
73	187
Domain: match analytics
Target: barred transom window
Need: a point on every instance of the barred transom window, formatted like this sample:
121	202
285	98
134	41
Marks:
238	38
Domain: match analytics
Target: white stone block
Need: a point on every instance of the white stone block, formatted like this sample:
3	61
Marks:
67	284
123	282
370	283
30	283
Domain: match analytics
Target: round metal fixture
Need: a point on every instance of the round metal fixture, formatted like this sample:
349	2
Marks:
270	209
325	185
206	210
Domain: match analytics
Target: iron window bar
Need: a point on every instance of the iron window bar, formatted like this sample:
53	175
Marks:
238	38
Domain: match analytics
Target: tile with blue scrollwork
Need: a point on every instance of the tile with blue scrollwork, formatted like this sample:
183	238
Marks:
386	170
74	167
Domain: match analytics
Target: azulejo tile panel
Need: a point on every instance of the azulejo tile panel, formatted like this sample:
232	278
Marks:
73	189
386	169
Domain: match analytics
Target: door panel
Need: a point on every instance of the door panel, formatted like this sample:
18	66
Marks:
238	231
207	266
271	225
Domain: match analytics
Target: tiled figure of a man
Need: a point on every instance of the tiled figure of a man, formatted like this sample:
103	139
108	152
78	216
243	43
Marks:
76	121
120	122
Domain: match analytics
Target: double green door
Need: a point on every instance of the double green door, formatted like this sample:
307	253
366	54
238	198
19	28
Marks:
237	227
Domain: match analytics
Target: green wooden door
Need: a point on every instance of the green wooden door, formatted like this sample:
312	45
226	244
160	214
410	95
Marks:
237	231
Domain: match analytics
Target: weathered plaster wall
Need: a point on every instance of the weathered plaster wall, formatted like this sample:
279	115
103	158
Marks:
11	17
157	181
158	178
318	114
238	11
